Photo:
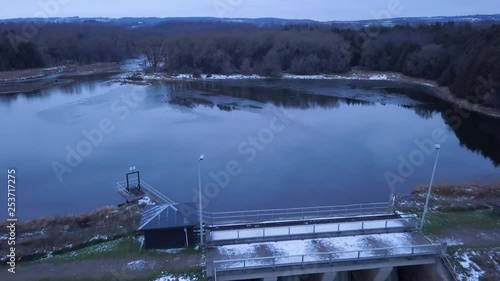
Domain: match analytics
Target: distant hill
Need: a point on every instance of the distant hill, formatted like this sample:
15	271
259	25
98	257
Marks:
148	21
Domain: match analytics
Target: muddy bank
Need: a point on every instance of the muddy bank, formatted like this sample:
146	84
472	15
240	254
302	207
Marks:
31	80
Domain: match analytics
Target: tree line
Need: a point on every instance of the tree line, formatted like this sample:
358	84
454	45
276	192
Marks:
464	57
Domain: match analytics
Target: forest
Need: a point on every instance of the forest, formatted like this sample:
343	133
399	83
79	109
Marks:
465	57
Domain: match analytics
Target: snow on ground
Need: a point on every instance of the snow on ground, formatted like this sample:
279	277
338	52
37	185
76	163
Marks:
451	242
99	237
348	76
306	229
140	265
169	277
170	251
232	77
293	76
154	76
336	244
379	77
285	252
146	201
473	271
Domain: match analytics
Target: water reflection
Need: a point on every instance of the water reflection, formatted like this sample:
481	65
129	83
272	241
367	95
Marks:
228	97
479	134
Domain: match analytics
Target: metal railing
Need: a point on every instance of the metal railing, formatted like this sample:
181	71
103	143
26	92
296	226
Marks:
409	222
121	187
253	216
450	270
327	258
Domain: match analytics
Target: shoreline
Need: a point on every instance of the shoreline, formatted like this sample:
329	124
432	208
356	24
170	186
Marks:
33	80
458	214
72	232
440	92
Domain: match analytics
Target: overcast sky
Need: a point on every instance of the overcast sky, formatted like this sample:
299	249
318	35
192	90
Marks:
303	9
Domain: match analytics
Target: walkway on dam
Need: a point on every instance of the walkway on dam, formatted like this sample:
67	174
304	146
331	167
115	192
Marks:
312	244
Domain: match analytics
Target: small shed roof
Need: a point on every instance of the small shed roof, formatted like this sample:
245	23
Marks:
169	216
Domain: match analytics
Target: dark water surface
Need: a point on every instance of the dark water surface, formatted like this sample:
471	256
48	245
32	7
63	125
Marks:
287	143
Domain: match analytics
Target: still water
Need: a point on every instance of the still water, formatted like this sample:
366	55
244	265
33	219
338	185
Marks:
268	144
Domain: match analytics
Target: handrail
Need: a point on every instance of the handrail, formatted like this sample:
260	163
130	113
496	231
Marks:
330	257
121	186
286	231
379	204
449	267
294	213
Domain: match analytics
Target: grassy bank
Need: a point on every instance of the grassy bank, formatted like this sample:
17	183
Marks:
45	236
461	216
120	259
474	242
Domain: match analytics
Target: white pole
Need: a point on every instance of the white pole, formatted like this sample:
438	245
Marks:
199	194
426	207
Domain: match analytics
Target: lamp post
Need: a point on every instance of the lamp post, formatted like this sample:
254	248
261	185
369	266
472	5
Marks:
199	194
426	207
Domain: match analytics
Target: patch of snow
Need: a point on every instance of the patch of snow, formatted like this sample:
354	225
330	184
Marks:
427	84
30	234
451	242
473	271
140	265
54	68
184	76
312	250
30	77
4	237
99	237
154	76
170	251
294	76
169	277
379	77
146	201
231	77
